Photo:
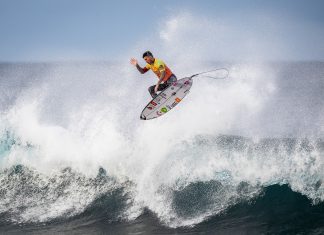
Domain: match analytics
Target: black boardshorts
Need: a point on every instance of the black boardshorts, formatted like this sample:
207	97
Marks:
162	86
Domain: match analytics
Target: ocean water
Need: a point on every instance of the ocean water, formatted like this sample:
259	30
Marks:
242	155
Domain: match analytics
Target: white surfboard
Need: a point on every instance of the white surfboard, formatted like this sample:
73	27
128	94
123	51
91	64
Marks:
167	99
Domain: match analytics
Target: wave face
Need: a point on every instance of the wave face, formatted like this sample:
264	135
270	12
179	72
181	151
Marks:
226	184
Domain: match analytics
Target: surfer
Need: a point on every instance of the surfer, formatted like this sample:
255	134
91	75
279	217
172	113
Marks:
164	74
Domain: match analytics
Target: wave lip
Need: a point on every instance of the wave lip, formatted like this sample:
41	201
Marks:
276	210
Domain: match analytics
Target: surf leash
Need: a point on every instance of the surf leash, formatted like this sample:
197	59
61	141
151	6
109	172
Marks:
205	74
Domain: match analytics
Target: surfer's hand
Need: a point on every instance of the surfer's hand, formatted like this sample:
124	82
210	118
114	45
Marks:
156	89
133	61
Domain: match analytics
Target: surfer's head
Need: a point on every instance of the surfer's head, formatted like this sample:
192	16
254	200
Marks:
148	57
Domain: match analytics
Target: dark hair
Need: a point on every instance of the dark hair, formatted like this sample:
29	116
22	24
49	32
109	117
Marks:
147	53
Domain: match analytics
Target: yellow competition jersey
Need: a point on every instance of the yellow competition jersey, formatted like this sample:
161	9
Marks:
159	66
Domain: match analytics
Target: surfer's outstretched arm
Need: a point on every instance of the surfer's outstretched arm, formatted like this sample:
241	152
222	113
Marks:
139	68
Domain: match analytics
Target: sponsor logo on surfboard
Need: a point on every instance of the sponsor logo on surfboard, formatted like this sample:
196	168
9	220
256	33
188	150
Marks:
174	104
152	102
164	110
177	100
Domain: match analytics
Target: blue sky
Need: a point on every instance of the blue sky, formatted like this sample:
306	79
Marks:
47	30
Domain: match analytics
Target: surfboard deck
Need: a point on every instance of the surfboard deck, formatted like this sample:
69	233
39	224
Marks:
167	99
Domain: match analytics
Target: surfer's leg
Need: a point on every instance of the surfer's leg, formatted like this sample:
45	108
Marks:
168	83
165	85
162	86
172	78
151	90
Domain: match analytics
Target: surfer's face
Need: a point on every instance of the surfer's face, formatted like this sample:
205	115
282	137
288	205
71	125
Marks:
149	59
